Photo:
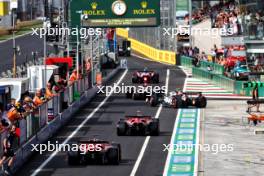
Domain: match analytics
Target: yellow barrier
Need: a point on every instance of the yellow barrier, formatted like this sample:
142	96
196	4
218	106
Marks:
148	51
4	7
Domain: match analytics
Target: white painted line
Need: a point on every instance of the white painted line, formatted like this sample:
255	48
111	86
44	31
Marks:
78	128
185	71
185	84
197	143
171	142
173	134
18	36
145	144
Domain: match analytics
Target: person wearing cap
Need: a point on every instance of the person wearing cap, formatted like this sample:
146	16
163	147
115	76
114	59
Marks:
28	105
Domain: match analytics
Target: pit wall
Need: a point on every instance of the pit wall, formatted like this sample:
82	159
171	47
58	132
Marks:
167	57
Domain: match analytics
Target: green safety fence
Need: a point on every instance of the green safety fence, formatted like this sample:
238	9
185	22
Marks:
202	74
217	68
223	82
186	61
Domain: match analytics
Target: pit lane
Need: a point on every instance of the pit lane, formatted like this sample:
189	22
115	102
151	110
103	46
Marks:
103	125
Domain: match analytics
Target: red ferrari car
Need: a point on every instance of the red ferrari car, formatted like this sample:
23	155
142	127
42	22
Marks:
138	125
95	151
145	77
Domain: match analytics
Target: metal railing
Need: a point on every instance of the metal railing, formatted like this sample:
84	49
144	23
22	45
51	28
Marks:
48	111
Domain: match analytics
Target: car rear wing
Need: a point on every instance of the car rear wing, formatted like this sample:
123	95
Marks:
136	116
192	93
92	142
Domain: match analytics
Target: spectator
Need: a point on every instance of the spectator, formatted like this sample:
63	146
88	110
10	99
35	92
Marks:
38	99
74	76
4	123
255	96
28	105
49	94
8	148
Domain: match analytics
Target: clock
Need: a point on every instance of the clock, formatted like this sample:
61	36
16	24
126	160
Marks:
119	7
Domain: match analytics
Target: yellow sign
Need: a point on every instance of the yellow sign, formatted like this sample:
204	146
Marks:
94	11
144	4
94	5
144	10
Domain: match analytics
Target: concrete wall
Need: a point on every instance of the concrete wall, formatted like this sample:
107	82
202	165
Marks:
205	42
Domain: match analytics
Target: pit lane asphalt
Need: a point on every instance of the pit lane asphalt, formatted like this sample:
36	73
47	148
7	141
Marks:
103	126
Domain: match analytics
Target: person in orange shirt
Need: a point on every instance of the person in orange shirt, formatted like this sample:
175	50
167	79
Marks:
73	76
49	93
38	99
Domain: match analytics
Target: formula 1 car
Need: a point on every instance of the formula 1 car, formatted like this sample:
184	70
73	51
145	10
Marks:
138	125
138	95
95	151
240	72
179	100
145	77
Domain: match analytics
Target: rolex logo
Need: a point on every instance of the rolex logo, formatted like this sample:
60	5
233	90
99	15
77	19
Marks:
94	5
144	4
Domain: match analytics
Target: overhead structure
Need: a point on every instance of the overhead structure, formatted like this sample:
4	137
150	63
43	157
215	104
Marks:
115	13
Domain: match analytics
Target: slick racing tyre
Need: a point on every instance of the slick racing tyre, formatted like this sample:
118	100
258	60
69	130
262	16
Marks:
153	100
121	129
201	102
154	127
156	78
129	95
113	156
73	158
134	80
118	146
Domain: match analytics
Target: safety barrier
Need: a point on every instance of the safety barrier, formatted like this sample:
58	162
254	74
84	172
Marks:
49	111
202	74
167	57
216	68
186	61
224	82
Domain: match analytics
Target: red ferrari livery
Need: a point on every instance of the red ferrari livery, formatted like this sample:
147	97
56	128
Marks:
138	125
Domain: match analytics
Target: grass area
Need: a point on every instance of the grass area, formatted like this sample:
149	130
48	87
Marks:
21	31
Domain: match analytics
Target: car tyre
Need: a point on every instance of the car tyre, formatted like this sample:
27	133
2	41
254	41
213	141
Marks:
73	158
121	129
113	156
154	127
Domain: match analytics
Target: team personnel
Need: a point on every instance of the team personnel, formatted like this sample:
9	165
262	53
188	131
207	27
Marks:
8	150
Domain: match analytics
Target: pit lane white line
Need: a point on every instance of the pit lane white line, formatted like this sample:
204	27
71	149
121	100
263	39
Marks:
78	128
145	144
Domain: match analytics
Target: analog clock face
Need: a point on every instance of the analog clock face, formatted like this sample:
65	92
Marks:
119	7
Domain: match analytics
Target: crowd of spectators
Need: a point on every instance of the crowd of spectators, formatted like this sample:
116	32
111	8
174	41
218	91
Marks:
254	24
227	16
230	17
